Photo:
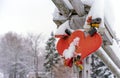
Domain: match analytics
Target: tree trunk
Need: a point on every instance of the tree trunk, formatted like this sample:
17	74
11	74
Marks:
36	64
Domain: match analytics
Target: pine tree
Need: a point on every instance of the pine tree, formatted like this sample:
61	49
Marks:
52	56
99	69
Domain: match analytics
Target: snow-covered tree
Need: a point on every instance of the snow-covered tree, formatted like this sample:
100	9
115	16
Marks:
11	52
99	69
36	46
18	54
52	56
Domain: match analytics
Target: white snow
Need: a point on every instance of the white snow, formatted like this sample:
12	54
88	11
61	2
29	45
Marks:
1	75
57	16
113	15
69	53
109	12
61	29
88	2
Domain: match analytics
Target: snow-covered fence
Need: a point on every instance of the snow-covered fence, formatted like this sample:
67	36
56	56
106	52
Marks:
74	13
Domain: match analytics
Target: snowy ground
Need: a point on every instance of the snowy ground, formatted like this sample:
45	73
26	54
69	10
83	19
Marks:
1	75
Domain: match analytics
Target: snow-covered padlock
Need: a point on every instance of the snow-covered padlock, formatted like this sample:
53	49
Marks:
80	43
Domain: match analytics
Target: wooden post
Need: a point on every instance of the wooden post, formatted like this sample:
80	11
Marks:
78	6
62	7
58	18
77	22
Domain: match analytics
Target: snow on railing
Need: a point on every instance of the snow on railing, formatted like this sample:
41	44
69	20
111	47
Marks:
106	52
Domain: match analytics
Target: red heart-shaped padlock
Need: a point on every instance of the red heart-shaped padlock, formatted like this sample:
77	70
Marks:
86	45
62	44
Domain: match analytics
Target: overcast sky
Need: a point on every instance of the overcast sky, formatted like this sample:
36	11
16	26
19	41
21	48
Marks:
23	16
26	16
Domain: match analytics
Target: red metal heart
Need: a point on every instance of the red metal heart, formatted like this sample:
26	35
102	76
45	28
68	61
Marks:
62	44
86	46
